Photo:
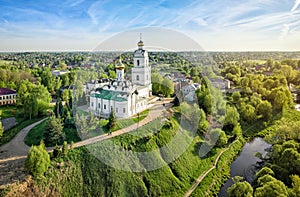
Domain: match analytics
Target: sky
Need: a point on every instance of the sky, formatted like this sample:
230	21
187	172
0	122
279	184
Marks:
215	25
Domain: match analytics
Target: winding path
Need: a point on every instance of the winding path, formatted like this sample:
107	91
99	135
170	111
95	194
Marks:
204	174
13	154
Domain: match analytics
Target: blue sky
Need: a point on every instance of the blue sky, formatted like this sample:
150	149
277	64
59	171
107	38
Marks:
222	25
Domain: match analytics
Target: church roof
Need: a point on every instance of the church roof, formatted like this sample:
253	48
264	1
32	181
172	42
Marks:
109	95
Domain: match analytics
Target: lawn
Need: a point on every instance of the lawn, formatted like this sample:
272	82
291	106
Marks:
8	111
35	135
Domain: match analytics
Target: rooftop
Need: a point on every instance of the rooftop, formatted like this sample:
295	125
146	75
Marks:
5	91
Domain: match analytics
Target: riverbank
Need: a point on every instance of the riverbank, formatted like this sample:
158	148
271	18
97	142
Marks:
245	164
212	183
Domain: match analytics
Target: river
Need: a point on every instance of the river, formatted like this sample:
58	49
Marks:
245	163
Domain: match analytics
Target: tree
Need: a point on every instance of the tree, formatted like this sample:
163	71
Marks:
112	121
1	129
218	137
65	148
38	160
167	87
232	118
264	171
203	123
264	109
236	96
156	80
295	185
240	189
247	112
271	187
82	125
54	131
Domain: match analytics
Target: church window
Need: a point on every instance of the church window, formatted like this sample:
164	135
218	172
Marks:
104	106
99	105
138	62
92	104
117	110
124	110
137	77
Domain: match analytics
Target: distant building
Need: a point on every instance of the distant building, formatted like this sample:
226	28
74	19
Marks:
123	96
7	96
57	73
95	84
222	84
186	89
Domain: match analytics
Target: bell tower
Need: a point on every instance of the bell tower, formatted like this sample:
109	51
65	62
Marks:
141	71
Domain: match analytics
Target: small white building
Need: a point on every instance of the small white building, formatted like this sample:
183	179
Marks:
125	97
7	96
57	73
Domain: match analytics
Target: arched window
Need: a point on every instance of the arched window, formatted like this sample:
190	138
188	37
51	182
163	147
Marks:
138	62
137	77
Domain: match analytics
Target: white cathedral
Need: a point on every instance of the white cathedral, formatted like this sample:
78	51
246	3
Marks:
125	97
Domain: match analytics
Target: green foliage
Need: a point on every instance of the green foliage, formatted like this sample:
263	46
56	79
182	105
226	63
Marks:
167	87
218	137
34	99
269	186
65	148
232	118
156	80
264	171
36	134
295	185
1	129
53	131
112	121
12	132
240	189
38	160
212	183
264	110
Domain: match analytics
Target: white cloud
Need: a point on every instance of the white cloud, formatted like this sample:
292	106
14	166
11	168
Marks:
285	30
296	4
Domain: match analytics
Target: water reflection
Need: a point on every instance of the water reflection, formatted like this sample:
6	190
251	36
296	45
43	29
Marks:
246	164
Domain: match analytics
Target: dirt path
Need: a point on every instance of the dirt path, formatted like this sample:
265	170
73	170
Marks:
203	175
12	156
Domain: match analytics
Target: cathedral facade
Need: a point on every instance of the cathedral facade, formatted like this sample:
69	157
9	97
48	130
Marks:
125	97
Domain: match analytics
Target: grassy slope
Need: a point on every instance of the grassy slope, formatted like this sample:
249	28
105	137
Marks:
84	175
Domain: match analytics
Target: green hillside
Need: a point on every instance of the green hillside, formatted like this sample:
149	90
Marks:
82	174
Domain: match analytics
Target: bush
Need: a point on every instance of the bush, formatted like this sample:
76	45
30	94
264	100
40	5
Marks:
38	160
